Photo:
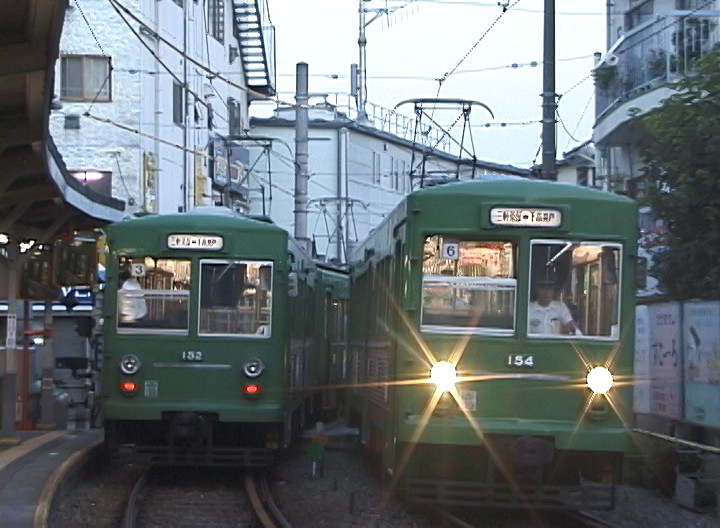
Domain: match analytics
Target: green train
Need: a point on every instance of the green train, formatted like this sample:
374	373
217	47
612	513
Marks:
491	343
220	336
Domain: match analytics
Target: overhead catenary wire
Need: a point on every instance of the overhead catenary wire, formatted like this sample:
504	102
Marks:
472	3
214	73
92	32
158	59
582	115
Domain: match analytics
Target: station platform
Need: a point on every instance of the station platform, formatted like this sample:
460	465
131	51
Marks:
30	470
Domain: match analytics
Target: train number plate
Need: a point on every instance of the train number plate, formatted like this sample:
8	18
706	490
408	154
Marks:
151	389
469	399
192	355
520	361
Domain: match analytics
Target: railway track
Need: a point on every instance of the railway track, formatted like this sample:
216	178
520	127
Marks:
159	499
560	520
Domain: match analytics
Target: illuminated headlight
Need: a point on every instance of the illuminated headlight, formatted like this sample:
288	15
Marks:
443	375
130	364
599	380
253	368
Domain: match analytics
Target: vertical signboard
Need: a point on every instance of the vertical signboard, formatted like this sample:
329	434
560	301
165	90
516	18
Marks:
641	387
701	336
665	360
11	331
150	182
200	178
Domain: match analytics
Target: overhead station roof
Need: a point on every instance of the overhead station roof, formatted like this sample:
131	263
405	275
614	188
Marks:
38	197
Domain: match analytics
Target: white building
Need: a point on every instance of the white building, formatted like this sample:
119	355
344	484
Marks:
357	173
143	99
651	43
576	167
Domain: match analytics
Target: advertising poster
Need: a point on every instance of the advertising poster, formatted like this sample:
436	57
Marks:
701	333
665	360
641	388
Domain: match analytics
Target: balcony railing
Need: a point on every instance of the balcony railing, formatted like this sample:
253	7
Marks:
655	53
379	117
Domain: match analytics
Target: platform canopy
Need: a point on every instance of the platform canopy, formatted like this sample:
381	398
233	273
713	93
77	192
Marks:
38	197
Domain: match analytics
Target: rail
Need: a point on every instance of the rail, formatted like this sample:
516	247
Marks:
266	511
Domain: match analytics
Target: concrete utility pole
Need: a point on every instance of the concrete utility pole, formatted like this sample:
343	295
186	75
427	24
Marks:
301	155
549	169
9	378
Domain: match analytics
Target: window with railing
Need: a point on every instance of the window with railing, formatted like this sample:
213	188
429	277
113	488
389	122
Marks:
468	286
153	295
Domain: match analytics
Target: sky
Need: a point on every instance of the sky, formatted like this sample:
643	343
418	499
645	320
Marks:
421	42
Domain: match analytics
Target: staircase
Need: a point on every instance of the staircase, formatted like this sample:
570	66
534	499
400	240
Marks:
256	37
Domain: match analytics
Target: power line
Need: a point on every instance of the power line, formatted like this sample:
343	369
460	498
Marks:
505	10
107	77
158	59
214	73
471	3
587	105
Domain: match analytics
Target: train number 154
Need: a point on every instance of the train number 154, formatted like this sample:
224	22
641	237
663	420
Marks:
192	355
520	360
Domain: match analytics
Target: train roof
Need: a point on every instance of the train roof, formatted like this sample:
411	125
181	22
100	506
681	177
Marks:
209	218
520	190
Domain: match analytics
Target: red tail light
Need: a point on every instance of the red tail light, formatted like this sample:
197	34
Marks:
252	389
128	387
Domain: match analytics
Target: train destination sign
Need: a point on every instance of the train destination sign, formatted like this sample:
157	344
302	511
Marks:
525	217
199	242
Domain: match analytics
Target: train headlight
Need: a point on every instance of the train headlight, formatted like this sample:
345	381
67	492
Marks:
443	375
130	364
253	368
599	380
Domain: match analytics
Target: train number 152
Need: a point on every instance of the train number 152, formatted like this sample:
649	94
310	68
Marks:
192	355
520	360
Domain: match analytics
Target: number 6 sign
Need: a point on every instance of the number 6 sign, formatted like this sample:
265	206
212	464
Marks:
451	250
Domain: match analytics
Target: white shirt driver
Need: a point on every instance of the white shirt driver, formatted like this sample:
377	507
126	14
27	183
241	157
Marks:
548	319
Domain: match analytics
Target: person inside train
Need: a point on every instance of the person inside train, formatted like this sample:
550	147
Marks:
548	315
131	303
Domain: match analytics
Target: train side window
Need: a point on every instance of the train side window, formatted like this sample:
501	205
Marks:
469	286
153	295
574	289
235	298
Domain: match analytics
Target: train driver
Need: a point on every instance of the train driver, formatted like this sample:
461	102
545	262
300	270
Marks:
131	306
548	315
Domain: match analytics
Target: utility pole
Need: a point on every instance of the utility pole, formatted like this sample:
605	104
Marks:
362	43
301	155
549	169
362	70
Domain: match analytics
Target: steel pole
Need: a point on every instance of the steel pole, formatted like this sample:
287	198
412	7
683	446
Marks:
362	81
549	169
9	378
47	415
301	155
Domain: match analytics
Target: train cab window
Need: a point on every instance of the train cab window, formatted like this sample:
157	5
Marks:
574	289
153	295
235	298
468	286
